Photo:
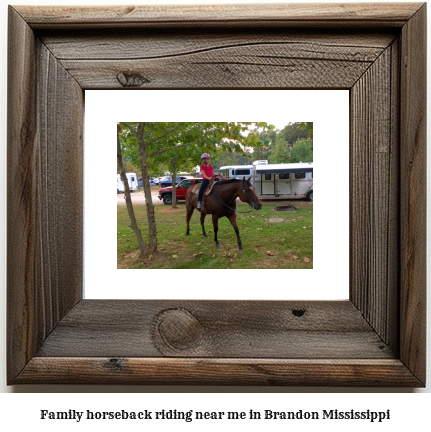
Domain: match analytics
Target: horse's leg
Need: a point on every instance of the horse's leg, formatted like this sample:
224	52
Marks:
203	225
215	224
232	220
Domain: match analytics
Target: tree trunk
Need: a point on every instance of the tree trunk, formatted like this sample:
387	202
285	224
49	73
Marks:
129	204
152	246
174	187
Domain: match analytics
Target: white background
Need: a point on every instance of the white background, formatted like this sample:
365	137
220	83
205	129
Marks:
22	410
329	278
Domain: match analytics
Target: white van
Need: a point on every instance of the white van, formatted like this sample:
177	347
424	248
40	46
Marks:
276	181
132	180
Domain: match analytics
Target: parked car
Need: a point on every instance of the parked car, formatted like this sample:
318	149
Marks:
165	193
141	183
168	182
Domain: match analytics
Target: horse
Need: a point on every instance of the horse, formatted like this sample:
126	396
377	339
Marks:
221	202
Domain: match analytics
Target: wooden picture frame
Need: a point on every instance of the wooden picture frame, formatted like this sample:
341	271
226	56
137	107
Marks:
376	338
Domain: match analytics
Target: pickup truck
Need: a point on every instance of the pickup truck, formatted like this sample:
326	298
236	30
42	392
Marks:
165	193
168	182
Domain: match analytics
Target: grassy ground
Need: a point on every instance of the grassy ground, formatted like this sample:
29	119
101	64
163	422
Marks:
266	244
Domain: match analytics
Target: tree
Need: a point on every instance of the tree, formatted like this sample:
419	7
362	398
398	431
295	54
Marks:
293	132
263	152
231	157
279	153
129	204
144	141
284	143
307	126
302	151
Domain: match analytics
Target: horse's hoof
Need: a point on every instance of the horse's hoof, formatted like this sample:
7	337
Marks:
206	236
218	245
240	250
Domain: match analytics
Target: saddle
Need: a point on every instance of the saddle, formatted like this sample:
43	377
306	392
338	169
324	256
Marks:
209	188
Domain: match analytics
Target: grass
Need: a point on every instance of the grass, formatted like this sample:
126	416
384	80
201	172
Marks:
266	245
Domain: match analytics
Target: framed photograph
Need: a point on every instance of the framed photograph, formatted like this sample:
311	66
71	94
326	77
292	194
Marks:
374	338
323	243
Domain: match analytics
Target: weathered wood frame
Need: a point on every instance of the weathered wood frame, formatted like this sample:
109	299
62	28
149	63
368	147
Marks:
376	338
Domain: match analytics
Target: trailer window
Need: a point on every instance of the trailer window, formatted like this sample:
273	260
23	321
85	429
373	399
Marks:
300	175
267	176
284	176
243	172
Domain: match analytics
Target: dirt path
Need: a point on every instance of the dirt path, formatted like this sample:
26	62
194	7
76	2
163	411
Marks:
139	198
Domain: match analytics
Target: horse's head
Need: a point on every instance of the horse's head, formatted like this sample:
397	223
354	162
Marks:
247	194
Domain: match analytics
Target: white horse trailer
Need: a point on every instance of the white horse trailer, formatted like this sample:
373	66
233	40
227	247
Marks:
276	181
132	180
237	171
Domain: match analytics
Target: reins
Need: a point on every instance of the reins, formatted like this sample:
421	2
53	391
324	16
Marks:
236	211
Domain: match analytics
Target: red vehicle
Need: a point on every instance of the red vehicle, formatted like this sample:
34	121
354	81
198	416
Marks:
165	194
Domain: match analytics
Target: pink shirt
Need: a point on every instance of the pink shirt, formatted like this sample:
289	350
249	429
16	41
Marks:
208	170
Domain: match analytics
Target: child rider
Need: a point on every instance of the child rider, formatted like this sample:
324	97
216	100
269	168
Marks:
207	172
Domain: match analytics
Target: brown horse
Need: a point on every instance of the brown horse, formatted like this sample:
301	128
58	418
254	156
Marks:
221	202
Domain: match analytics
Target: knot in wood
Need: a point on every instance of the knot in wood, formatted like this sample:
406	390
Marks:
115	363
298	312
178	329
131	79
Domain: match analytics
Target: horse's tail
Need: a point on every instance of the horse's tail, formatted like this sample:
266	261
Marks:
189	196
